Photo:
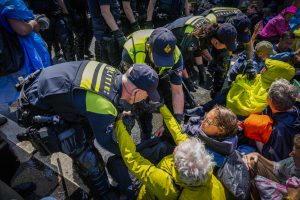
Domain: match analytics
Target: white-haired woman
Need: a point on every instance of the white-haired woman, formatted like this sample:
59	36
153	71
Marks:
185	174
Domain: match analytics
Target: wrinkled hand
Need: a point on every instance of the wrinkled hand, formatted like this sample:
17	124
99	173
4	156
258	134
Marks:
123	114
160	131
249	158
35	26
293	193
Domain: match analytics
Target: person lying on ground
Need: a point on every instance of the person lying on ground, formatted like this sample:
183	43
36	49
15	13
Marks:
185	174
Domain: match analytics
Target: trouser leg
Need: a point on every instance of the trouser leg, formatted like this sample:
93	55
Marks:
65	38
79	45
88	162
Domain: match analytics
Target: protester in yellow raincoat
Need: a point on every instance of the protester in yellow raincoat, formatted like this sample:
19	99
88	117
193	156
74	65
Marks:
187	174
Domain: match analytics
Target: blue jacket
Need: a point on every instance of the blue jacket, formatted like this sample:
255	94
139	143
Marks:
285	126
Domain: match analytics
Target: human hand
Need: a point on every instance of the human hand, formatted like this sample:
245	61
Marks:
35	26
160	131
249	159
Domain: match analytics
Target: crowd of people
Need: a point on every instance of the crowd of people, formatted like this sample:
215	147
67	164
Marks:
149	57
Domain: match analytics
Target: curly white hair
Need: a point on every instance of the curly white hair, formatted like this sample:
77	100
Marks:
193	162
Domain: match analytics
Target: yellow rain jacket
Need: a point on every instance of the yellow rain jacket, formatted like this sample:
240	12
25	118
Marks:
163	181
247	97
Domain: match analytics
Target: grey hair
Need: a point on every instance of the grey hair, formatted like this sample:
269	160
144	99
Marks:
193	162
282	95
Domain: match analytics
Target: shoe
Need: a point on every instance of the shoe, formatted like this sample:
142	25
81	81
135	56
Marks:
194	112
3	120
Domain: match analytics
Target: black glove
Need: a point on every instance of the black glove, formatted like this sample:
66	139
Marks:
250	71
179	118
153	107
190	85
148	25
135	26
119	37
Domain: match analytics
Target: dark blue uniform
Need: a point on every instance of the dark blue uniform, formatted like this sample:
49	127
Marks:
58	29
106	47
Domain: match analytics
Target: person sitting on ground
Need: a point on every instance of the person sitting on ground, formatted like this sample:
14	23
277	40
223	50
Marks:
279	171
286	120
277	25
244	97
285	42
217	130
263	50
185	174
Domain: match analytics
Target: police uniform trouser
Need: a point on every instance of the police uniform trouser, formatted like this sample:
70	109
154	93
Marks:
107	51
59	30
88	162
83	34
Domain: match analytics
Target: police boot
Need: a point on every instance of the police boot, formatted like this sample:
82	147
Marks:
87	43
92	170
79	46
202	75
68	48
97	50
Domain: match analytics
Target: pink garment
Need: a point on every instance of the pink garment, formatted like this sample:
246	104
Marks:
278	25
269	189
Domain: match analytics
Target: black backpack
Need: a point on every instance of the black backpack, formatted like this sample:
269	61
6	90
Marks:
11	53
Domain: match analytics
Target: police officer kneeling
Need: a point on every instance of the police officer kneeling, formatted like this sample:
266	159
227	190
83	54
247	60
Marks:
78	97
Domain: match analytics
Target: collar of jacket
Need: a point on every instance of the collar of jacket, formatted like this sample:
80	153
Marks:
223	146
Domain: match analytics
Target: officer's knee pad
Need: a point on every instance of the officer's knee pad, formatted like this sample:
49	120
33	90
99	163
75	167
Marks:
72	141
89	160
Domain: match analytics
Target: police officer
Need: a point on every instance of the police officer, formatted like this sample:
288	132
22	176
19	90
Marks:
243	26
81	25
195	35
158	49
86	95
58	29
165	11
109	37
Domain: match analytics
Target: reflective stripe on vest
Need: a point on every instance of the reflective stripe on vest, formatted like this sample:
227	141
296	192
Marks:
98	78
136	48
223	14
196	22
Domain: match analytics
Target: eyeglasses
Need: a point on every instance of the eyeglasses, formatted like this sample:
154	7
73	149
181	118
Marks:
208	121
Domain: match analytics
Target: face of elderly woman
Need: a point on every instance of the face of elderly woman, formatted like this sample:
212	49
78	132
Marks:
210	126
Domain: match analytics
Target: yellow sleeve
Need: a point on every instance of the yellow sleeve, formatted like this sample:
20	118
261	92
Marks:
172	125
154	178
